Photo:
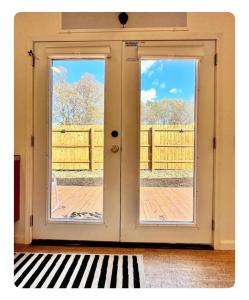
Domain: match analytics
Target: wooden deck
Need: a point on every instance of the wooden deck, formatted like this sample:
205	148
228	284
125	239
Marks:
157	203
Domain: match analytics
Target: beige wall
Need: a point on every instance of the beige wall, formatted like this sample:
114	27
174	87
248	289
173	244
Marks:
45	26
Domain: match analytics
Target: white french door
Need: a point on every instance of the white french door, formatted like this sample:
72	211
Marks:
124	141
166	206
67	207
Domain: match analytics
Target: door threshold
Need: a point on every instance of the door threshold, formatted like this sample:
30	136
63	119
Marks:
120	244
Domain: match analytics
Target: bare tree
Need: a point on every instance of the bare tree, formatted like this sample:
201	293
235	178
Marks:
79	103
82	103
180	112
175	111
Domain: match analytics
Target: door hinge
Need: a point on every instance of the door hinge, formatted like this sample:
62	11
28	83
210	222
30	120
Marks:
32	140
216	59
214	142
213	225
31	221
31	53
131	43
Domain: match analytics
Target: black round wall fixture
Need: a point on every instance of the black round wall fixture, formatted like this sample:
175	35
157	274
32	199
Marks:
114	133
123	18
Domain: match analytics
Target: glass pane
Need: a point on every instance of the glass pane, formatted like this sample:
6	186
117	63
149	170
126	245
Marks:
167	140
77	139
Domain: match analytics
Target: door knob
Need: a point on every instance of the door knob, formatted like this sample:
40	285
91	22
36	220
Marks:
114	148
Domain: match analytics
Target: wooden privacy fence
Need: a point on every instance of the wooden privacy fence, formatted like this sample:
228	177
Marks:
80	147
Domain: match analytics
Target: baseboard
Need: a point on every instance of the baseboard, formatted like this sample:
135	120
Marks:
19	239
227	245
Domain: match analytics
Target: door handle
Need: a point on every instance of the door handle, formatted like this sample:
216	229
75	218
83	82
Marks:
114	148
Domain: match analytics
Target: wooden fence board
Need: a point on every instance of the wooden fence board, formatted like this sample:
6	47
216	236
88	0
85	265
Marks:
80	147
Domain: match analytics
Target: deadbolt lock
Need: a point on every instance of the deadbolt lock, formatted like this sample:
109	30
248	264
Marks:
114	133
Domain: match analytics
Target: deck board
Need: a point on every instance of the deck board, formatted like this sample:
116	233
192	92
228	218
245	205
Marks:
157	203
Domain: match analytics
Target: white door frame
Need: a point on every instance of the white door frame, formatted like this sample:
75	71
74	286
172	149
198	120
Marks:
122	36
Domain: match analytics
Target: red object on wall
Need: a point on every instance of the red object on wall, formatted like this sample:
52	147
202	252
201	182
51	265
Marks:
16	188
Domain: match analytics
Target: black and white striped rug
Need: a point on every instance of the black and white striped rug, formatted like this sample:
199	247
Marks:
63	270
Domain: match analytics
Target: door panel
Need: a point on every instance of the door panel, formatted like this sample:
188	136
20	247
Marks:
76	176
156	208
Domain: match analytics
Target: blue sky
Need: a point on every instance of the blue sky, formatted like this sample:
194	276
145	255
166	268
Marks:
167	79
77	68
160	79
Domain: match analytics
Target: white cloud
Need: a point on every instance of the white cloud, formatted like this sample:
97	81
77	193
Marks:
146	65
147	95
150	73
155	81
160	68
56	70
175	91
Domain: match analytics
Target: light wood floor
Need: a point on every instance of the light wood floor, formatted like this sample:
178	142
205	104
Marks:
168	268
157	203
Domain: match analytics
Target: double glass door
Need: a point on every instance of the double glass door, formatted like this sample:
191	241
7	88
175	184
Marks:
124	141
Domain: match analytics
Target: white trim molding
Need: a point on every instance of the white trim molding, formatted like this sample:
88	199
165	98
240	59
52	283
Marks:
20	239
226	245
